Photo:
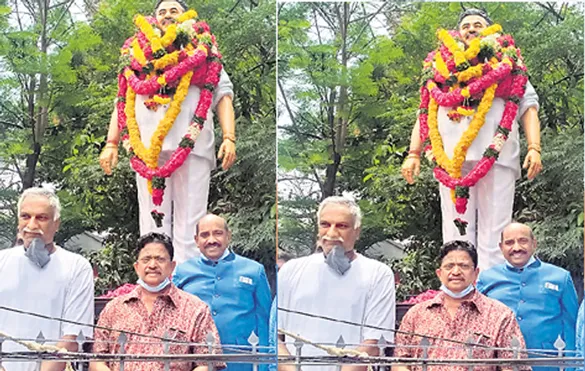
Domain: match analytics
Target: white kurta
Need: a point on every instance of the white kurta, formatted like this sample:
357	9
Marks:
364	295
187	190
491	201
62	289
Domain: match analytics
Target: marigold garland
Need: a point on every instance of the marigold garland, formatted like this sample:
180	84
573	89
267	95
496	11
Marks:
491	66
159	65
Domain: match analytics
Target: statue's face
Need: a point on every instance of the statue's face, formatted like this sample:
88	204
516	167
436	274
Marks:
167	13
470	27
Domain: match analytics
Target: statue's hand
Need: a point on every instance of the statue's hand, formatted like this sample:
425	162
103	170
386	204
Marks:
411	168
227	152
109	158
533	163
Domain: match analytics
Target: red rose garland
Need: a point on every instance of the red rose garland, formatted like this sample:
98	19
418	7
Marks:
511	79
206	67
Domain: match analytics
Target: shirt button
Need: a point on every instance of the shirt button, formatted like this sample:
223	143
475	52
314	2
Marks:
217	295
522	301
218	278
519	318
523	283
214	313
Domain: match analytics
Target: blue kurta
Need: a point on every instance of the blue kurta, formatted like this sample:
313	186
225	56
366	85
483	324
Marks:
237	293
580	337
543	299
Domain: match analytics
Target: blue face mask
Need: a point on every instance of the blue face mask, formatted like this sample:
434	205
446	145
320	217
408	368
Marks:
337	260
161	286
38	253
457	295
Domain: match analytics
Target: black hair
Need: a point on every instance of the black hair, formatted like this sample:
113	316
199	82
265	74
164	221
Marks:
458	245
154	237
181	3
473	11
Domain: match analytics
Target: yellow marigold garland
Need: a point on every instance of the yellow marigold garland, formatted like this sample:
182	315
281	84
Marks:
441	66
452	46
495	28
169	36
471	72
189	14
166	60
453	167
138	53
150	157
472	50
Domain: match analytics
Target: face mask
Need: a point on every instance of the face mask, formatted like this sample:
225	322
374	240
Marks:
38	253
154	289
457	295
337	260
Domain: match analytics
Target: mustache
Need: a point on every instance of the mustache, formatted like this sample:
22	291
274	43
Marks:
28	230
214	244
329	239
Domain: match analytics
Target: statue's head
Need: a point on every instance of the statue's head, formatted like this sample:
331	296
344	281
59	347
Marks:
167	12
471	23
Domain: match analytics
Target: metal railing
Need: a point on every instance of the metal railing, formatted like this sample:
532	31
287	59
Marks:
39	351
560	357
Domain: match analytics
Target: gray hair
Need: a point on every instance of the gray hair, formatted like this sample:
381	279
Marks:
42	192
352	206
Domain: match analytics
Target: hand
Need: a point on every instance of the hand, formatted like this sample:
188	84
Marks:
109	159
227	152
411	169
532	159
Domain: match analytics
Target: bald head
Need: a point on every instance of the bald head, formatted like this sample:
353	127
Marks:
212	236
518	244
516	225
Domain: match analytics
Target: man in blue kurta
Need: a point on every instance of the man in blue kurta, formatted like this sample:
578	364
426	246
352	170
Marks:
580	336
235	288
541	295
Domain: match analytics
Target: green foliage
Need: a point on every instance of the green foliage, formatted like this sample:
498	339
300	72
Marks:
82	69
383	79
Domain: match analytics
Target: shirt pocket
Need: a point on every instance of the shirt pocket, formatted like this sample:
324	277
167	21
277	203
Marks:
551	296
245	283
180	337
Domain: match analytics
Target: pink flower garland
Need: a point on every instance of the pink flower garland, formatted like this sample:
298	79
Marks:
510	87
206	75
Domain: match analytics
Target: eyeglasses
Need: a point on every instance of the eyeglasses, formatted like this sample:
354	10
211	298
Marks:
522	241
159	259
462	266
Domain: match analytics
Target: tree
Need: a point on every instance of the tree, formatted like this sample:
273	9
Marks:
383	85
82	98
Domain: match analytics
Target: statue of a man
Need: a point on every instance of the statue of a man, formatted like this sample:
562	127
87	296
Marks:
172	81
475	90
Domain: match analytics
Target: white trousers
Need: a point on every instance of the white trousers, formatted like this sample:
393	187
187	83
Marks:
489	211
184	203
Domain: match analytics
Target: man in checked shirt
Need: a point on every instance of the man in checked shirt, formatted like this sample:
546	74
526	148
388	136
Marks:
460	313
156	308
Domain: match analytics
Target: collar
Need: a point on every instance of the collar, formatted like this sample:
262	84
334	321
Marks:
172	294
227	255
477	301
532	262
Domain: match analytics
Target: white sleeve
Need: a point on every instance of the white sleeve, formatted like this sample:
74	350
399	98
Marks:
283	294
79	301
381	308
530	99
224	87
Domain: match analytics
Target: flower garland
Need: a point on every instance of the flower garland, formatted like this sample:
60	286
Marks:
491	66
163	67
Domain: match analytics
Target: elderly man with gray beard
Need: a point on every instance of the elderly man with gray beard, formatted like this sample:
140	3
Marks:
339	283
